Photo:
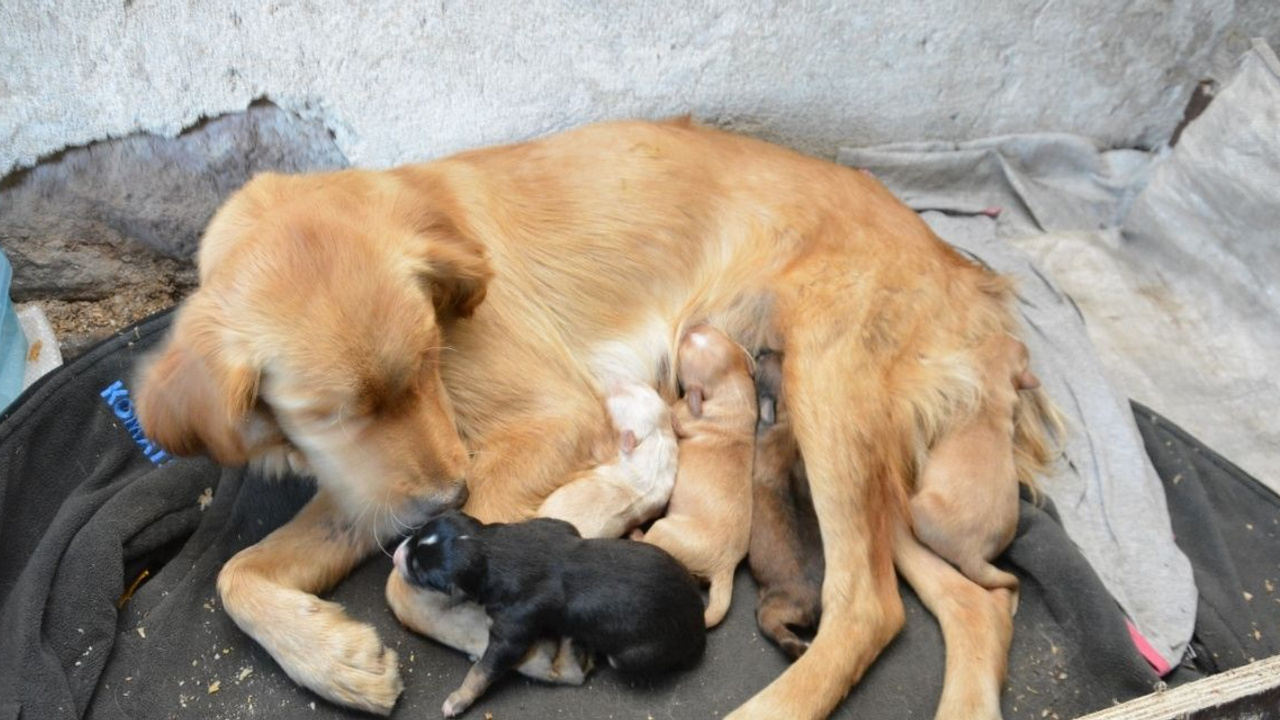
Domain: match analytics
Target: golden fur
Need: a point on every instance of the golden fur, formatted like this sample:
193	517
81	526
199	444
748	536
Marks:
707	526
392	332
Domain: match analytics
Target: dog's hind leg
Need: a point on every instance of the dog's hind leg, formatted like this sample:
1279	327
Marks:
977	628
776	614
719	597
853	456
465	626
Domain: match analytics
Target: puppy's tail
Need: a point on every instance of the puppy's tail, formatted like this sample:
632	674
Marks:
720	596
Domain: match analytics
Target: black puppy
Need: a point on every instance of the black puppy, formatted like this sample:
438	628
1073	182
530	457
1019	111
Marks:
629	601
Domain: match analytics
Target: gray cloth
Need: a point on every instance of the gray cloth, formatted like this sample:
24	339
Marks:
1107	492
1204	238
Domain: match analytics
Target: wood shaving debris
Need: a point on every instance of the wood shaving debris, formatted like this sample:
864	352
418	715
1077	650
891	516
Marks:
205	498
142	632
244	673
215	686
1248	596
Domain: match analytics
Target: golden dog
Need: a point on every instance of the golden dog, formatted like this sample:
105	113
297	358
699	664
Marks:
378	329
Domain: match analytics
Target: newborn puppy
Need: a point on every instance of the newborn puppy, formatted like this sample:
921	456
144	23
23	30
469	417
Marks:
537	579
966	505
615	497
786	548
708	522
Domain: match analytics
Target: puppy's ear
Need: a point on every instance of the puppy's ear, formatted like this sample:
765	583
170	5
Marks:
694	396
467	565
628	442
191	398
453	269
768	410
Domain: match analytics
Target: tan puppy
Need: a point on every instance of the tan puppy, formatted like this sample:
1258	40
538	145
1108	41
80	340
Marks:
966	508
786	549
708	523
614	497
396	332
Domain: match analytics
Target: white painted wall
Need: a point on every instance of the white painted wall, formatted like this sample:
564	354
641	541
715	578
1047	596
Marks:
398	81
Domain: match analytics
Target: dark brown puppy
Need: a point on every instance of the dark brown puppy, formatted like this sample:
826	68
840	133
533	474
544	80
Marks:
786	549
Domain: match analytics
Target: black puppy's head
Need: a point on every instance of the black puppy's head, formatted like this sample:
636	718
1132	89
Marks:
445	555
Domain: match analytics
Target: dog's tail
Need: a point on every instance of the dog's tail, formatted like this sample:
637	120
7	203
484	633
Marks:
720	596
1038	435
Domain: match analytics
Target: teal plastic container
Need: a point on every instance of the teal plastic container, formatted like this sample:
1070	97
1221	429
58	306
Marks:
13	344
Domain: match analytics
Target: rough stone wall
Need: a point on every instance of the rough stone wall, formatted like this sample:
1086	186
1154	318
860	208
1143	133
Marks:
106	234
398	81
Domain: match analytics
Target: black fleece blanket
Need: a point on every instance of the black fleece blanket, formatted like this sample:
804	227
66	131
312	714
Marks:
88	506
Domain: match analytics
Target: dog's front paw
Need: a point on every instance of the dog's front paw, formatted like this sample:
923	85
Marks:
344	661
366	673
457	703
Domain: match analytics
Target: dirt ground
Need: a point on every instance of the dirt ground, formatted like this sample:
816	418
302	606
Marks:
81	324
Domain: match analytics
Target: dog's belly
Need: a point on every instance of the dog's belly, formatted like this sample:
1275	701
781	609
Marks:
641	356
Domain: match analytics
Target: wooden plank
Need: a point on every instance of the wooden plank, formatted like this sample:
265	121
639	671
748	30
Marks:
1251	692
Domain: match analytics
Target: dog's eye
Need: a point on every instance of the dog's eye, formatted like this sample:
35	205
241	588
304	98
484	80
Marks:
325	416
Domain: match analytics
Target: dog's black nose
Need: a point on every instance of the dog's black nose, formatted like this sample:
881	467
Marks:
460	495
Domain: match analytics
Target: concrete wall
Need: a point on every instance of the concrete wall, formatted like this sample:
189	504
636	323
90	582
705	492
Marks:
395	81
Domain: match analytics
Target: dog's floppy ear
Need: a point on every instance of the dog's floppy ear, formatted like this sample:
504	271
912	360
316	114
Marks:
190	397
462	563
454	268
694	396
768	410
628	442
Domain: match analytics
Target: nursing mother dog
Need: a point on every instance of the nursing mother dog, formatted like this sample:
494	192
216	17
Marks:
444	334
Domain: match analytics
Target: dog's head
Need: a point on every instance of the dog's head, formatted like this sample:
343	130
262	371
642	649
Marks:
705	359
317	334
769	388
445	555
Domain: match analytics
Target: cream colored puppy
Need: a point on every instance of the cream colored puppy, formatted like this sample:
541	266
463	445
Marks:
614	497
966	507
708	522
